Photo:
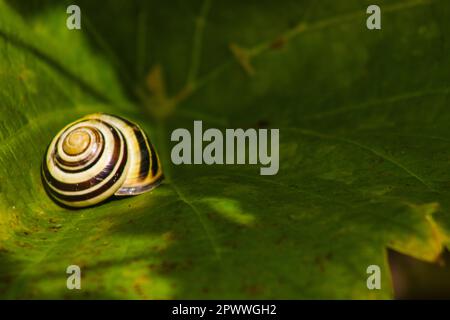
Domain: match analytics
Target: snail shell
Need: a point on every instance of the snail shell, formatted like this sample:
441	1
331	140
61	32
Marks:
98	156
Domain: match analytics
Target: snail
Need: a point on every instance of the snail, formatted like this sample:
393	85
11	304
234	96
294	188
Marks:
99	156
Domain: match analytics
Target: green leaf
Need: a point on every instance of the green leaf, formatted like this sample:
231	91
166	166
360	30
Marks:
364	146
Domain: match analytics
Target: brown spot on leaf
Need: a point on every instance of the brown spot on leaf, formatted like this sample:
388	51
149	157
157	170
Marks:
206	290
262	124
254	290
321	261
167	266
278	43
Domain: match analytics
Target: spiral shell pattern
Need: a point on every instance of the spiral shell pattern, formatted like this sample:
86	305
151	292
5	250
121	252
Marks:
97	157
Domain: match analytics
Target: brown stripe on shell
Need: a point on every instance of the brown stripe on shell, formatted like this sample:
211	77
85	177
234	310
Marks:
142	139
102	189
155	163
144	165
93	181
99	139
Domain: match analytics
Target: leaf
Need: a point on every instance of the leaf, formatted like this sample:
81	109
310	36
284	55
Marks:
364	146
